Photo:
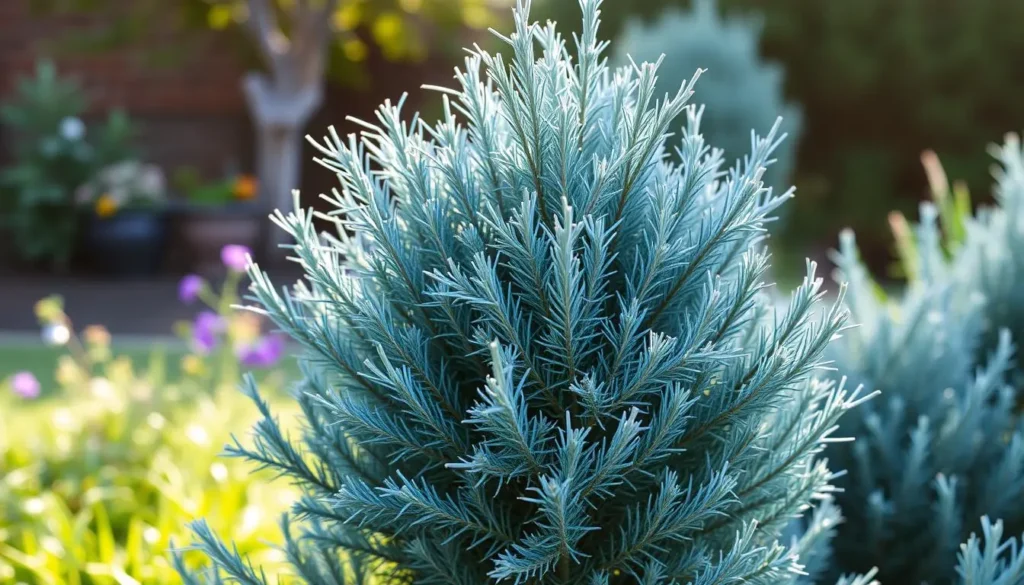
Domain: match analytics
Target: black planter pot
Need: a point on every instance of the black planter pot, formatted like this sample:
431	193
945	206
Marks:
129	244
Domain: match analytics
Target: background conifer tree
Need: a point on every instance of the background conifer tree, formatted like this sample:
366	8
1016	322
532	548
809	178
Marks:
744	92
538	350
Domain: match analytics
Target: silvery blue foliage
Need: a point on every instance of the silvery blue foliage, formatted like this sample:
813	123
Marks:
538	349
942	446
991	560
991	258
744	92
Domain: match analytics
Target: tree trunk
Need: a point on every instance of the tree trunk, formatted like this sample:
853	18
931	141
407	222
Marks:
280	113
279	150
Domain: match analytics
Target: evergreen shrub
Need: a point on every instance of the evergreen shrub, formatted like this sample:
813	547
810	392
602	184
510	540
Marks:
539	350
942	449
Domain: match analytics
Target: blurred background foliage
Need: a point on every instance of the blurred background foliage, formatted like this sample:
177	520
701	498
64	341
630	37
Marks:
99	477
103	468
396	30
879	81
97	497
53	155
99	480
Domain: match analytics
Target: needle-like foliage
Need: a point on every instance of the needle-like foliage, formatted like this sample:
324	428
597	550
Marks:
943	446
991	258
538	350
983	250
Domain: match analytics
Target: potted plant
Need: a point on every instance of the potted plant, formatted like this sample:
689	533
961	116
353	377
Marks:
125	231
214	214
53	153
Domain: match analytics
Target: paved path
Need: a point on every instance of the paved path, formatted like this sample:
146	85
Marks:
144	308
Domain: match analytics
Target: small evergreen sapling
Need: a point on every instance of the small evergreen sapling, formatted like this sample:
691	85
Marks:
942	447
745	93
538	350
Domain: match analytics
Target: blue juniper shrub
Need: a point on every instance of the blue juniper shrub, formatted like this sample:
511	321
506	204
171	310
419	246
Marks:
538	349
983	250
942	447
991	256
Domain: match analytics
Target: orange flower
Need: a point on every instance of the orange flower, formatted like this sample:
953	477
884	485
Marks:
245	187
96	335
244	328
106	206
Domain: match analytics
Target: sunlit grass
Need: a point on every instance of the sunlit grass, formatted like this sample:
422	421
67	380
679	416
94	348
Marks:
17	356
96	484
41	359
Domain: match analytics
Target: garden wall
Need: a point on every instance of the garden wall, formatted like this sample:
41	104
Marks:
190	110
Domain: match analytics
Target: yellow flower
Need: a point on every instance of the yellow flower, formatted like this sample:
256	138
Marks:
69	374
120	370
50	310
355	50
245	187
192	365
106	206
348	16
411	6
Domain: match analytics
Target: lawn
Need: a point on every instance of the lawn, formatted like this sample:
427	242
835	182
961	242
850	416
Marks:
41	360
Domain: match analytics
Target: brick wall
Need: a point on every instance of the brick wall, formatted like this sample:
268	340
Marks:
204	83
191	113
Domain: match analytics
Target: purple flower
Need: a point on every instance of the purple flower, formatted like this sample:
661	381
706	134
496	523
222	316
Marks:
235	257
189	288
206	330
264	353
25	385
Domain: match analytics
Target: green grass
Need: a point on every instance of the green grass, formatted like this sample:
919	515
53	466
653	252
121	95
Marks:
41	360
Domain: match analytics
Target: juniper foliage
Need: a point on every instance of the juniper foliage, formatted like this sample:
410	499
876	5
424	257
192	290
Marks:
538	350
982	248
990	258
745	92
991	559
942	447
